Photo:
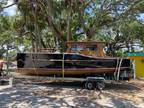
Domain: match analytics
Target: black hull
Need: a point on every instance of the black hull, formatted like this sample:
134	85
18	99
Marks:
67	64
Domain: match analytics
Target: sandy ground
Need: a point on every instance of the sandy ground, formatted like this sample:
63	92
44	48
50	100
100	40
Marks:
36	94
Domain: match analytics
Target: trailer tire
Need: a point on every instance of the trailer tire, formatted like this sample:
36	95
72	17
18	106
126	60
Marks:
89	85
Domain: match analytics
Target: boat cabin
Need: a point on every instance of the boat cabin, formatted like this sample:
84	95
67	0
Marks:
95	49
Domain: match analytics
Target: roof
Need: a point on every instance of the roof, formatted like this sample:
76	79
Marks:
85	42
136	54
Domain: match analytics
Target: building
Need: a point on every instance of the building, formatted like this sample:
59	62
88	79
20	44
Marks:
138	58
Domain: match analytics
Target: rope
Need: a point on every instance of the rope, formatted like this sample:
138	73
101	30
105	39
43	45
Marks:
63	70
118	73
116	68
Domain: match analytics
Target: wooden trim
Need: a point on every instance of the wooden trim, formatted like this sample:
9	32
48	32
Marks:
68	71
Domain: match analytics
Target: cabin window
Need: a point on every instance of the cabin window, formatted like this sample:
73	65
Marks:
76	47
92	48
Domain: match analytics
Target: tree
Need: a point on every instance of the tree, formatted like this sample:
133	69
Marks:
6	36
49	23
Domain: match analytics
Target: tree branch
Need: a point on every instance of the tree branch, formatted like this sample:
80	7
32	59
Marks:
54	28
2	8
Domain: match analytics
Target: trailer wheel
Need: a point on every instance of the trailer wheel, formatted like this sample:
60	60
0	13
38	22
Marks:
89	85
100	85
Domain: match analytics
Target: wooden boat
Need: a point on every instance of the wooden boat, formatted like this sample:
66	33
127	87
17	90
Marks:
80	59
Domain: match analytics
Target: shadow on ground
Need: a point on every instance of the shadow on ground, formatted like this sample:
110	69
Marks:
80	85
58	94
121	86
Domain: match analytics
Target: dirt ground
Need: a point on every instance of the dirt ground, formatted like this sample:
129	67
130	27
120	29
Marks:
43	94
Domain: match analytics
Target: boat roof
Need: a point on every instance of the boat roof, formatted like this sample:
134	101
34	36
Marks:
85	42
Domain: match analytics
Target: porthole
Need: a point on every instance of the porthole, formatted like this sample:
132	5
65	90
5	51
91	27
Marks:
20	63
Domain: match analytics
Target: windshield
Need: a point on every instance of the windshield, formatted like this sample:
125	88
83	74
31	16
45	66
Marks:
76	47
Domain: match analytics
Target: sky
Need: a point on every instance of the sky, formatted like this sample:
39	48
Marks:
142	17
11	10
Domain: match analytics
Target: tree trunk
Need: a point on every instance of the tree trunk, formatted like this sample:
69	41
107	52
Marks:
36	26
33	45
69	26
128	47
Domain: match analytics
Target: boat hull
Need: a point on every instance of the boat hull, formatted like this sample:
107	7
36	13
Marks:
44	64
66	72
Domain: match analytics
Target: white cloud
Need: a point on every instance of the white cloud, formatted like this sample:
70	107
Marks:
11	10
